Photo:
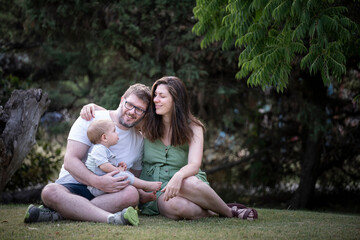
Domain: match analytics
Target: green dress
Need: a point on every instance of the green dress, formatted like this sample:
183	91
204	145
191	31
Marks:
160	163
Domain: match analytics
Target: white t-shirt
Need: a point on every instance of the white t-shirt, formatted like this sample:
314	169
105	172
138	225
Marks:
129	148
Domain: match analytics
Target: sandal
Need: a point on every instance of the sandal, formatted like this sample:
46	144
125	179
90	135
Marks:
241	211
238	205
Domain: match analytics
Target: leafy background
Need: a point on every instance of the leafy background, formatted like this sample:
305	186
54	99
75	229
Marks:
275	82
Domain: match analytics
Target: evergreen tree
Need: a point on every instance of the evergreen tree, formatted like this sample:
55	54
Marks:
277	34
283	40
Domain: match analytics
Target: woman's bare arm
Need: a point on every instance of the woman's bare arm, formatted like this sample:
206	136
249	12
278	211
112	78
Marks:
192	168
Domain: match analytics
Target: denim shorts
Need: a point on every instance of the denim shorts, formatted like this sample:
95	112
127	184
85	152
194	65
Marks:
79	189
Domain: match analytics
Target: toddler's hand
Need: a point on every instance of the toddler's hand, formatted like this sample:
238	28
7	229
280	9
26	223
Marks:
122	165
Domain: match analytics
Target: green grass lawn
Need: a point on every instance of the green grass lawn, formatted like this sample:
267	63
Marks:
272	224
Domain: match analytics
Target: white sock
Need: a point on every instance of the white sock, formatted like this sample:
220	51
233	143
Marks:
111	218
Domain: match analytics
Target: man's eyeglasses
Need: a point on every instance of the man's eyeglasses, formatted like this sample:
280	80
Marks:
130	106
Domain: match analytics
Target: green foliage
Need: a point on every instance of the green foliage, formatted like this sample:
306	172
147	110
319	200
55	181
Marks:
11	17
91	51
111	43
88	51
313	118
112	94
275	34
8	85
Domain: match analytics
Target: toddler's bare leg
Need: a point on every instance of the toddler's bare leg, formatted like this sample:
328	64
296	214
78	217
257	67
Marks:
147	186
146	196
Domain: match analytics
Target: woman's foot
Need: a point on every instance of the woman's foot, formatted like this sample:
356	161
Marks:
242	212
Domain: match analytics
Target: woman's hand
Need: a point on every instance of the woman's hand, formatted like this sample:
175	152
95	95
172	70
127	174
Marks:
172	189
88	111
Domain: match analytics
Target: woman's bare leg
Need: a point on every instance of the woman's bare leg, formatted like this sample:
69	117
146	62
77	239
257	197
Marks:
179	208
204	196
196	199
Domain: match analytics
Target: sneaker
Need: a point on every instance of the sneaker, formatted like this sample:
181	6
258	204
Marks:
127	216
40	214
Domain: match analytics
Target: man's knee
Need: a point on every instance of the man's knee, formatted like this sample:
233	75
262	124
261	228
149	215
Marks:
50	193
128	196
133	195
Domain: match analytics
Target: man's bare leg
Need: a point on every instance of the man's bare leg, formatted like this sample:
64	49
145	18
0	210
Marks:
75	207
114	202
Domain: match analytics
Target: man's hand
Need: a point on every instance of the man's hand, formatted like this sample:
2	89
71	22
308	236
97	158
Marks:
110	184
88	111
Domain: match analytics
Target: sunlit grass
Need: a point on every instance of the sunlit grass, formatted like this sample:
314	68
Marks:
272	224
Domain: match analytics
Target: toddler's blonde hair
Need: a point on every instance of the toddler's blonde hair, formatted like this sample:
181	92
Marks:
97	128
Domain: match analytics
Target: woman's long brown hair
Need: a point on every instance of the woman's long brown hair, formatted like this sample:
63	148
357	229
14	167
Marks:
181	131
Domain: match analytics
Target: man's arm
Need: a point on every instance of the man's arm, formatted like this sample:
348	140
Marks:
75	151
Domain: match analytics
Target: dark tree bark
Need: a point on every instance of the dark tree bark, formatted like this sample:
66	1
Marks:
18	125
314	93
24	196
309	173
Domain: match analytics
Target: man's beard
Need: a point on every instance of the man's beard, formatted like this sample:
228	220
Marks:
129	125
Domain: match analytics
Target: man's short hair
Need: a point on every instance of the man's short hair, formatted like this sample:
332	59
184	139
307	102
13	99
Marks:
141	91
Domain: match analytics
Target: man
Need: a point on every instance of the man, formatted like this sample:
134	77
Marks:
69	196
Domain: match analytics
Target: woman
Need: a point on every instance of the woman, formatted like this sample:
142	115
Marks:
173	151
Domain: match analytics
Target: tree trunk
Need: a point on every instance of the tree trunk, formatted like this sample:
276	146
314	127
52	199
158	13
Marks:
313	98
18	125
309	173
21	197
